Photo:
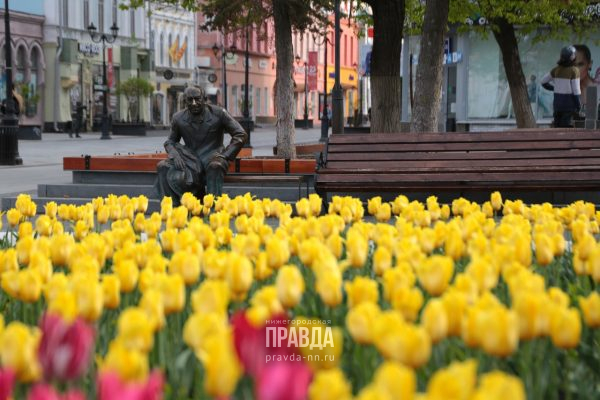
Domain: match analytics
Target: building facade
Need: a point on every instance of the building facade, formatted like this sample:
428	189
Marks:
173	40
475	91
28	61
74	63
262	69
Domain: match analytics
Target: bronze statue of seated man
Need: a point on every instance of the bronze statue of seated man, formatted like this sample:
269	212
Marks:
202	160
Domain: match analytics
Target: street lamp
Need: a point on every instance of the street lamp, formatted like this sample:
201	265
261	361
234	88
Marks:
337	95
9	131
325	114
224	54
97	38
246	121
305	91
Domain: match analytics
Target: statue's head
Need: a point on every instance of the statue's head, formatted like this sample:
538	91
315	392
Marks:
194	98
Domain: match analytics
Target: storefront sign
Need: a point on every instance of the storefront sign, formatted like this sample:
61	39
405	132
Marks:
89	49
313	60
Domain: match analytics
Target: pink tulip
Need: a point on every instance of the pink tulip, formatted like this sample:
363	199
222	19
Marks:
7	381
251	343
285	380
47	392
110	387
65	350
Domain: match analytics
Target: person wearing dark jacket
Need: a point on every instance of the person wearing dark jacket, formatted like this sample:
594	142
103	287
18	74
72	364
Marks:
564	80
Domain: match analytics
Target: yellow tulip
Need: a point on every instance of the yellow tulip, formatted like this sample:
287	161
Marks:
457	381
483	272
398	341
532	315
211	296
565	327
135	330
10	283
329	288
496	201
18	351
382	260
498	385
544	249
400	276
398	381
408	301
435	273
30	285
290	286
330	384
278	252
435	320
239	275
25	230
261	267
63	303
360	321
221	367
590	306
89	296
172	288
266	299
361	290
357	249
187	265
455	303
51	208
152	303
128	274
62	245
129	364
501	337
40	263
199	327
454	246
111	287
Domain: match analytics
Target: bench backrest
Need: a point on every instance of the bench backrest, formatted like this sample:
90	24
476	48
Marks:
532	147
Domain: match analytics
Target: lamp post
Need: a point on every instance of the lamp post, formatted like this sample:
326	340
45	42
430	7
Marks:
97	38
246	121
9	131
337	95
224	54
305	91
325	115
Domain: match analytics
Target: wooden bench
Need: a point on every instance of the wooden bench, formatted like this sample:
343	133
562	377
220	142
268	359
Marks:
522	160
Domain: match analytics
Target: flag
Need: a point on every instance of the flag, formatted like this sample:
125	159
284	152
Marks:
180	52
173	49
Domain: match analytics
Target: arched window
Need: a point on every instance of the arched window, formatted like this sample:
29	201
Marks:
161	49
21	64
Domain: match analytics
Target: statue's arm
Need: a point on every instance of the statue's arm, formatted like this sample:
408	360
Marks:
174	137
238	136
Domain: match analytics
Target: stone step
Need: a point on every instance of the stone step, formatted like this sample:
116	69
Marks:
283	191
114	177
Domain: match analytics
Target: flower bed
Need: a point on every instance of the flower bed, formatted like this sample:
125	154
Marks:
245	298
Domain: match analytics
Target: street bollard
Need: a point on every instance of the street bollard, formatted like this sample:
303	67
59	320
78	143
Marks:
9	143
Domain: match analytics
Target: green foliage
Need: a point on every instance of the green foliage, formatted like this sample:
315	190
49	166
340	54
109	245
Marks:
135	87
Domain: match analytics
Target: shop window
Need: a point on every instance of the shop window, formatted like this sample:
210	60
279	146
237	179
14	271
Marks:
65	12
100	15
266	91
158	100
86	14
257	101
161	49
21	64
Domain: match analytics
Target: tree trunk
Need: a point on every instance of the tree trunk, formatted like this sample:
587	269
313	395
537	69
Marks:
284	85
507	40
386	84
430	69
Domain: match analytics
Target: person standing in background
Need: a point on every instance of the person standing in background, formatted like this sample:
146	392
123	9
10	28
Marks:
567	92
583	61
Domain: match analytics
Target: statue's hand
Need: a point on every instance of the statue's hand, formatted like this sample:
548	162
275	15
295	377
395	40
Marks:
178	161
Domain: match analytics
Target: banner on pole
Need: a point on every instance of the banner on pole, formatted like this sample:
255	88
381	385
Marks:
313	62
110	70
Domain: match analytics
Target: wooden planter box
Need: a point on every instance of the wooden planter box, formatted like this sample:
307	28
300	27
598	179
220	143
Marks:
129	129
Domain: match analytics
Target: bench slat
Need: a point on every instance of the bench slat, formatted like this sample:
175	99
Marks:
473	137
465	164
475	146
479	155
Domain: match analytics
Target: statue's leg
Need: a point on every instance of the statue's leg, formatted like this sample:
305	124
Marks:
161	185
215	174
